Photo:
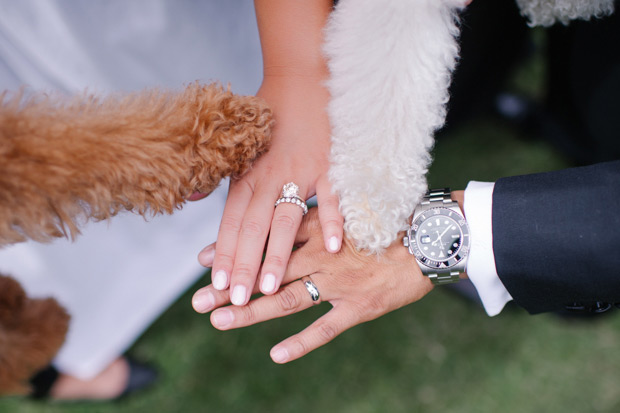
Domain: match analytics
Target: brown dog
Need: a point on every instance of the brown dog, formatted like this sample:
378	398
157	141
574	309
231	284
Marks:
64	161
31	332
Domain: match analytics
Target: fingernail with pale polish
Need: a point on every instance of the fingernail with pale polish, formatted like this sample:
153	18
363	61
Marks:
222	318
206	256
333	244
238	295
280	355
203	302
269	283
219	280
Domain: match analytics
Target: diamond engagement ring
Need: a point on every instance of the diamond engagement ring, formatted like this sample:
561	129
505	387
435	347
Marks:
290	194
311	287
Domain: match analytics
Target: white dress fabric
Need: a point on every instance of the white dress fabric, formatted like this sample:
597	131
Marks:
119	276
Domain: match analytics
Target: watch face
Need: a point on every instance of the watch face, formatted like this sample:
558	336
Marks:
439	238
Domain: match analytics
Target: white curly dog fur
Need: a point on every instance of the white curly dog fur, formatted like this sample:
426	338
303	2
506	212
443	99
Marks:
390	63
548	12
390	67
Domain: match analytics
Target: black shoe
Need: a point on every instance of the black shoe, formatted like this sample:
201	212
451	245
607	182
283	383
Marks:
141	376
42	382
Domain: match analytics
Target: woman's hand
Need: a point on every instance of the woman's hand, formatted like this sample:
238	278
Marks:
299	154
294	73
360	288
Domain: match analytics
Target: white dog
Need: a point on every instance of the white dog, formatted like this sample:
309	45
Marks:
391	63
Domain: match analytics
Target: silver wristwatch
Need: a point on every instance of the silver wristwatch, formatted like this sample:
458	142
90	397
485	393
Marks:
439	237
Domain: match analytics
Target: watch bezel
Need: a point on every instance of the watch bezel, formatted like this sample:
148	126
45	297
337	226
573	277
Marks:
459	256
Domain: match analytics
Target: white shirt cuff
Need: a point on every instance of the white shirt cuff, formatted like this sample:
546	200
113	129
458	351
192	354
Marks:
478	206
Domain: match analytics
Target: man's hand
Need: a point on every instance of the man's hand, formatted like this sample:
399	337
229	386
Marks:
360	288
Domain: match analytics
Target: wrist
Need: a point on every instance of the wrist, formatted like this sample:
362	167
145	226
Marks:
459	197
293	79
439	236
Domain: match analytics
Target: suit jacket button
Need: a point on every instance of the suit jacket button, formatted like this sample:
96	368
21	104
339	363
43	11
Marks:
576	307
600	307
596	307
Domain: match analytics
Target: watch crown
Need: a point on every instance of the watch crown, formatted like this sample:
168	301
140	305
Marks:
406	242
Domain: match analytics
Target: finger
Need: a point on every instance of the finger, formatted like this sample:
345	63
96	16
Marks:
302	262
197	196
207	298
292	298
329	215
239	196
310	226
319	333
307	259
251	244
206	256
284	225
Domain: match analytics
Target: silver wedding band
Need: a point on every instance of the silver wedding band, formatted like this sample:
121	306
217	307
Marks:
312	289
290	194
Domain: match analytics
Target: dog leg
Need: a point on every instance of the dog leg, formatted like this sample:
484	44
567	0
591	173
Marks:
31	332
64	161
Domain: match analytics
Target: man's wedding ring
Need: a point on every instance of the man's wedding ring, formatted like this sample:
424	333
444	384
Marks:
311	287
290	194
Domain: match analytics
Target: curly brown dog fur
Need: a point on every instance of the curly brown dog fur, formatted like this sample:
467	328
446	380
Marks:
147	152
65	161
31	332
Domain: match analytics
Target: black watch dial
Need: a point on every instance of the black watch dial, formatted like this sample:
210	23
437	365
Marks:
439	238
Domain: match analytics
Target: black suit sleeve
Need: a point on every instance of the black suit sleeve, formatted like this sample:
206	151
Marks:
556	236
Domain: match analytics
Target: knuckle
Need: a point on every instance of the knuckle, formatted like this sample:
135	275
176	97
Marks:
327	331
244	272
225	258
248	314
371	308
310	226
332	222
269	170
330	203
287	300
285	223
274	261
230	224
361	312
299	346
245	183
252	228
376	304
